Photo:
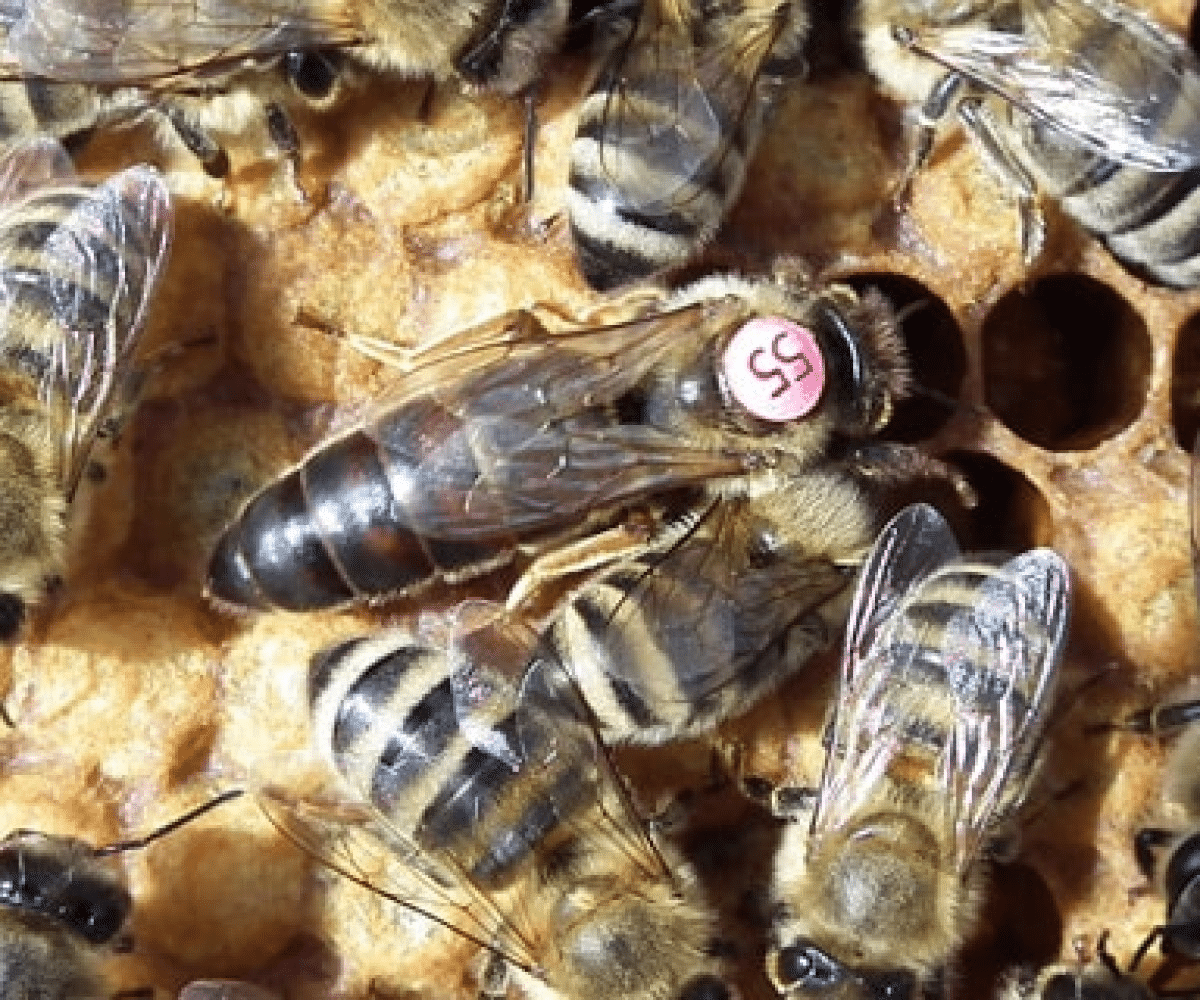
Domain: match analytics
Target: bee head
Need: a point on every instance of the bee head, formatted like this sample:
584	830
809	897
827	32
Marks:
55	877
804	969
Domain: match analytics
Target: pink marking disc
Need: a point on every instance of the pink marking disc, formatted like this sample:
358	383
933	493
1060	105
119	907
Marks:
774	369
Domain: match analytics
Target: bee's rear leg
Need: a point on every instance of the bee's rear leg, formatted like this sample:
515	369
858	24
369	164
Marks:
922	127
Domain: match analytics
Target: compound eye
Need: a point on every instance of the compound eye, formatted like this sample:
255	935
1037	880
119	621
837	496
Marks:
313	74
705	988
804	964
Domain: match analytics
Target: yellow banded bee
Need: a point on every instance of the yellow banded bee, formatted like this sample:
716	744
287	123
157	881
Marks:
669	126
1084	101
60	902
946	681
475	764
78	268
73	65
513	437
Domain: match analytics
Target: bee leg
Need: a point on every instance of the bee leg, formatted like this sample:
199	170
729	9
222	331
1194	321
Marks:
591	553
204	147
982	129
286	139
922	127
530	138
891	464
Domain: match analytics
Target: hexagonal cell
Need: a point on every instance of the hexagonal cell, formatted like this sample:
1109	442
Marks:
1066	363
935	349
1185	383
1011	515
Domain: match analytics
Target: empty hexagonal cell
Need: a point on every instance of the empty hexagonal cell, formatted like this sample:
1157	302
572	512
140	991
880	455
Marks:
1185	383
935	348
1011	515
1066	363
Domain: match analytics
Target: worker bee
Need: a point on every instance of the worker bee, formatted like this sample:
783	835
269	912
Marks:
1087	102
78	268
512	437
72	66
945	687
721	609
475	762
61	901
673	118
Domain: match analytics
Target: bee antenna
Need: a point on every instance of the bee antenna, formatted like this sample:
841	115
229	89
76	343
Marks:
121	846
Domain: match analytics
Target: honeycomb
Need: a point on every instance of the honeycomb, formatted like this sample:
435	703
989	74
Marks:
1063	392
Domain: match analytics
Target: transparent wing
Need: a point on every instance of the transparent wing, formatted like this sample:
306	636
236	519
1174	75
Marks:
33	163
546	443
358	843
866	735
536	768
1001	657
675	106
110	42
724	624
911	546
568	776
1095	70
75	285
945	693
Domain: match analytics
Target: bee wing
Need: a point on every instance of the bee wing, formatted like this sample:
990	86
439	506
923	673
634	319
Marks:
865	732
544	445
358	843
668	104
112	42
1107	94
1002	657
983	669
553	736
32	163
92	270
722	622
911	546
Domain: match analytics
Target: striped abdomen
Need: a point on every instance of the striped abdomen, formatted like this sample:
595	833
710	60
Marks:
1149	220
668	650
387	508
939	673
76	269
475	778
639	205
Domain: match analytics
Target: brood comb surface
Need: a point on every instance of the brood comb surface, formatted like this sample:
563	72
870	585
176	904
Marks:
1073	387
